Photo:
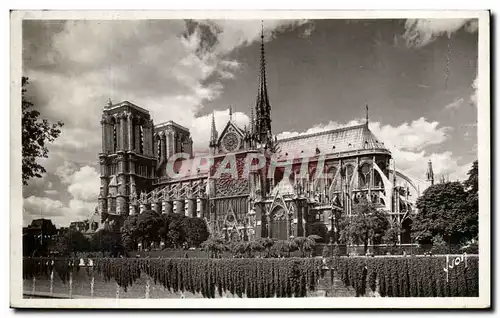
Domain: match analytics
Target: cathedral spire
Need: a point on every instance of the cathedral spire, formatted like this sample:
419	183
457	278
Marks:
366	114
213	132
252	122
262	107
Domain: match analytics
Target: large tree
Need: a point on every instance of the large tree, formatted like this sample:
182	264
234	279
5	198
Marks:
196	231
130	233
71	242
36	134
444	211
148	226
365	222
176	234
472	201
108	242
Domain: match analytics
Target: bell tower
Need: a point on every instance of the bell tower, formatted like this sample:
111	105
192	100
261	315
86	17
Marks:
127	158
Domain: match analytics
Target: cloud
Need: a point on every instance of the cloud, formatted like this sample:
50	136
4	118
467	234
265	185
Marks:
420	32
473	97
455	104
55	210
201	127
170	67
409	144
413	136
82	185
85	184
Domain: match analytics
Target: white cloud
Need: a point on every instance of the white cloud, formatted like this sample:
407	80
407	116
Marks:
473	97
83	187
85	184
454	104
55	210
164	66
413	136
65	172
420	32
201	126
409	143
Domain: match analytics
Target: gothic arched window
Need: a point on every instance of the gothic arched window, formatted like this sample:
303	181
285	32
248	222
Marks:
364	175
349	171
330	175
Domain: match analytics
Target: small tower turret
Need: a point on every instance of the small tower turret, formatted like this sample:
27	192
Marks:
430	173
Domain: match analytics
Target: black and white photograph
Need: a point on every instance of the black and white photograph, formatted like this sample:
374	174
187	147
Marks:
301	159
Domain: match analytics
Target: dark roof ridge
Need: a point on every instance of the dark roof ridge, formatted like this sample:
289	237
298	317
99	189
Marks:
326	132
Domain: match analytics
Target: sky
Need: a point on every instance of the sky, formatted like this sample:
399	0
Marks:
418	77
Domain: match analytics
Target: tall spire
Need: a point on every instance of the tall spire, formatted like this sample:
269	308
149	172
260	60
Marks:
213	132
230	112
252	122
366	114
262	107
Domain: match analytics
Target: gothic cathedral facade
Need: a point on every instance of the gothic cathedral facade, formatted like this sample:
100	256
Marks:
313	179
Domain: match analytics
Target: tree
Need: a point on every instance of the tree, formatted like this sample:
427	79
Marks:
214	246
445	211
195	230
267	243
148	226
472	202
71	242
107	241
36	134
175	234
392	234
366	222
130	233
306	244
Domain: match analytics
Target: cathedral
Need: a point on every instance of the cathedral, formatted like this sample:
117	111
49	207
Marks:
302	185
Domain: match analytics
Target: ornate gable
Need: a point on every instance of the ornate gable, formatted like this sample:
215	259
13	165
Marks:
231	138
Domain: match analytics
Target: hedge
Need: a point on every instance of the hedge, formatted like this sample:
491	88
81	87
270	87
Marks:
278	277
256	278
408	276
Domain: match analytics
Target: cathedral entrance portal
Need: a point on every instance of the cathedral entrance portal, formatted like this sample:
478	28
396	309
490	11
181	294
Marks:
278	224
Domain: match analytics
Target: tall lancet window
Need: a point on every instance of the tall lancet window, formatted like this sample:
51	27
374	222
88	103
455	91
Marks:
115	136
158	147
364	176
141	140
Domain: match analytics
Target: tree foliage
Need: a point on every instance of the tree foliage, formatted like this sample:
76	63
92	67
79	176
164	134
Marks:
70	243
148	226
36	134
448	210
195	231
173	229
107	241
366	222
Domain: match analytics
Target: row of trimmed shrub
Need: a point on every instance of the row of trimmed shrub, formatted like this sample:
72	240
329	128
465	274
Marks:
274	277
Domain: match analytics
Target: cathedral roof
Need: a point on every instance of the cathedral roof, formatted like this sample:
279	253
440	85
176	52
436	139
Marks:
341	140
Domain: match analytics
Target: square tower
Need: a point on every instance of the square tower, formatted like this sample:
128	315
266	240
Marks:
127	158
